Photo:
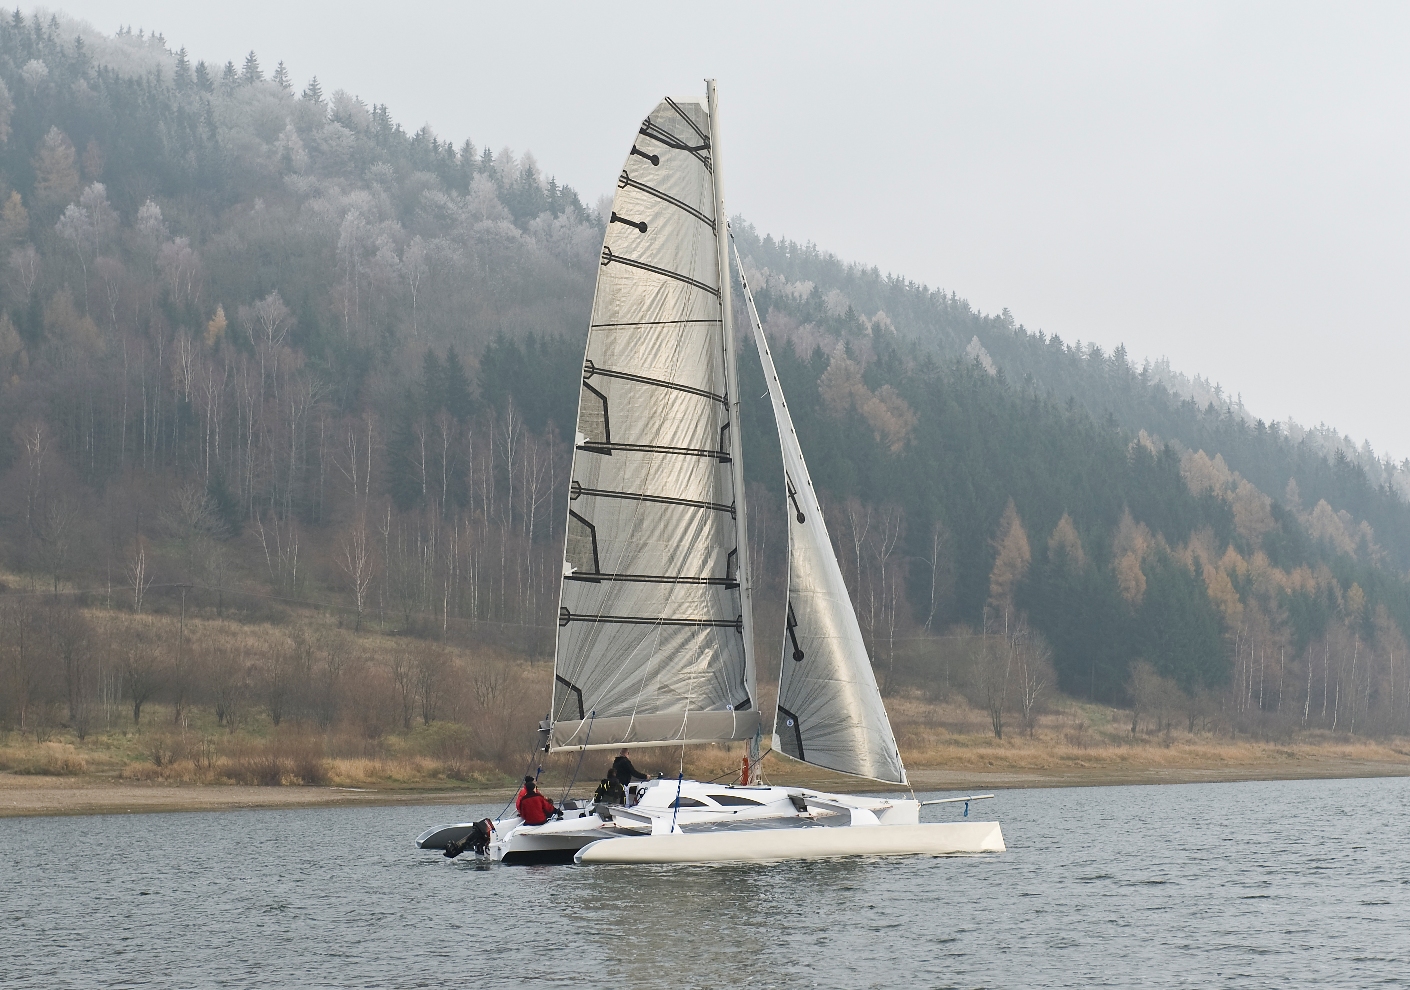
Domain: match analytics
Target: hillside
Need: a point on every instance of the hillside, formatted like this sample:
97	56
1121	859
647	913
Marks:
266	352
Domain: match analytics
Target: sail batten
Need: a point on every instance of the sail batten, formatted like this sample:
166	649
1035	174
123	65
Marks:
830	712
653	616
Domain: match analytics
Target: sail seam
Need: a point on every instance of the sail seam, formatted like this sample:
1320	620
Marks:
577	490
661	136
625	180
646	448
688	122
595	576
565	617
590	370
647	323
608	257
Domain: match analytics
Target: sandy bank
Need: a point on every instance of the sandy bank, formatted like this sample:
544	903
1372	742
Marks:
36	795
25	795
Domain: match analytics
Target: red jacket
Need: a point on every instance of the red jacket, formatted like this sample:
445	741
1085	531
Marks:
535	808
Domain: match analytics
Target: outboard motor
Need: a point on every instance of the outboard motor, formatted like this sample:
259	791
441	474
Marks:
477	839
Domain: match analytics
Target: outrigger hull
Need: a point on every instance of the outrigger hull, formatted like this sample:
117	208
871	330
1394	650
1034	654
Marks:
776	845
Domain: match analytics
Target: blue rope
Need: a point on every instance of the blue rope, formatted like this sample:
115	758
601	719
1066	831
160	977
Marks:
966	809
680	782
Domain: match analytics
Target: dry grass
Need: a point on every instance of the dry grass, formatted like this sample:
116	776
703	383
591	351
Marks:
489	697
50	759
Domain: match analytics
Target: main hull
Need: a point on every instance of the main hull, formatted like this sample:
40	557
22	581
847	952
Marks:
689	821
771	845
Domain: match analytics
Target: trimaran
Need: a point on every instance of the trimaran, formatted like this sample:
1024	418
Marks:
655	629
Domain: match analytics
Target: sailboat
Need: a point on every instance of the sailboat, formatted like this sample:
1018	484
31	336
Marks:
655	640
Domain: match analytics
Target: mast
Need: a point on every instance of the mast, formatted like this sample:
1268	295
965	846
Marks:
746	595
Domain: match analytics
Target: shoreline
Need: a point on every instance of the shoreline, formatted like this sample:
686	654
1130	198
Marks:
34	796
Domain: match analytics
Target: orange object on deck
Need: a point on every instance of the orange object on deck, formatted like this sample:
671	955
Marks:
744	773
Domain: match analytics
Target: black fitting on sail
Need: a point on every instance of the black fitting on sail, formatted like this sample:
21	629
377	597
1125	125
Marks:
653	159
791	721
635	224
793	497
798	653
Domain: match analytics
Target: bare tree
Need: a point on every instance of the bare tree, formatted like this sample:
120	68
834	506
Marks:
358	563
139	576
1033	672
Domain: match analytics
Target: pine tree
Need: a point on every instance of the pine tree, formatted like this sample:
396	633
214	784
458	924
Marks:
458	400
281	77
251	73
182	75
204	81
432	383
313	92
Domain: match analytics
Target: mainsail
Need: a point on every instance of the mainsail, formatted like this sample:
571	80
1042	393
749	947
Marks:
654	616
829	709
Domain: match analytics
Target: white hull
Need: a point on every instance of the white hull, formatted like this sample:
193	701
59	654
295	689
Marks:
771	845
694	822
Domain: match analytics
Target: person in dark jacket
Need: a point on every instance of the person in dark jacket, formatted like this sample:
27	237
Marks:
623	770
610	791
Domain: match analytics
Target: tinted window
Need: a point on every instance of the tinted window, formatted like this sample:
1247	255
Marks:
734	799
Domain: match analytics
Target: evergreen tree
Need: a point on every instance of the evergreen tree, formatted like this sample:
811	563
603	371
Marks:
182	75
458	400
251	73
281	76
432	383
313	92
204	81
1178	626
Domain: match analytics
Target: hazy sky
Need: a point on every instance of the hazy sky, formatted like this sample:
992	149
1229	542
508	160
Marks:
1227	185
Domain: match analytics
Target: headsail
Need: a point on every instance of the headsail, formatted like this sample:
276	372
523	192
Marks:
829	709
654	611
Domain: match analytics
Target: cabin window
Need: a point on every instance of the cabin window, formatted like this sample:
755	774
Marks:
689	802
734	799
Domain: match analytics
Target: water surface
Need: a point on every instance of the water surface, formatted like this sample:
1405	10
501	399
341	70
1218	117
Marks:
1277	884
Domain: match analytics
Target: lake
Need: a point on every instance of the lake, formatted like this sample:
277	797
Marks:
1276	884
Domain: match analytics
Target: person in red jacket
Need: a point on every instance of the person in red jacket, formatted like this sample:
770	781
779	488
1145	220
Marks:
533	807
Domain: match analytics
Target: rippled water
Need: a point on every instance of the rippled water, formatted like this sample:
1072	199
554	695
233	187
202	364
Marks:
1284	884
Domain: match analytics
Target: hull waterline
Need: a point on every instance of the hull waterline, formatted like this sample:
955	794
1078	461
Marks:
777	845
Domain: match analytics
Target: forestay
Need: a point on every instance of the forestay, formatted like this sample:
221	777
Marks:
653	619
830	711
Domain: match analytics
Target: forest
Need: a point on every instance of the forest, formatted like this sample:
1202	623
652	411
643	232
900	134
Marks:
269	364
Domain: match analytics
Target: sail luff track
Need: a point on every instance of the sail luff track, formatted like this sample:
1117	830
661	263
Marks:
722	243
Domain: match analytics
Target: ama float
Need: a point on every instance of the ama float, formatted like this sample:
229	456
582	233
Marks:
655	628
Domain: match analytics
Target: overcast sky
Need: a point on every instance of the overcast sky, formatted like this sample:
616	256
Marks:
1227	185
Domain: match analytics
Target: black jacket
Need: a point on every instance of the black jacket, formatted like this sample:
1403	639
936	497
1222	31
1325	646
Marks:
623	770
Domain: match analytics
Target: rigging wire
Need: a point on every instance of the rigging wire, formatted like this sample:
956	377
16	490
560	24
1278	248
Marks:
581	754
